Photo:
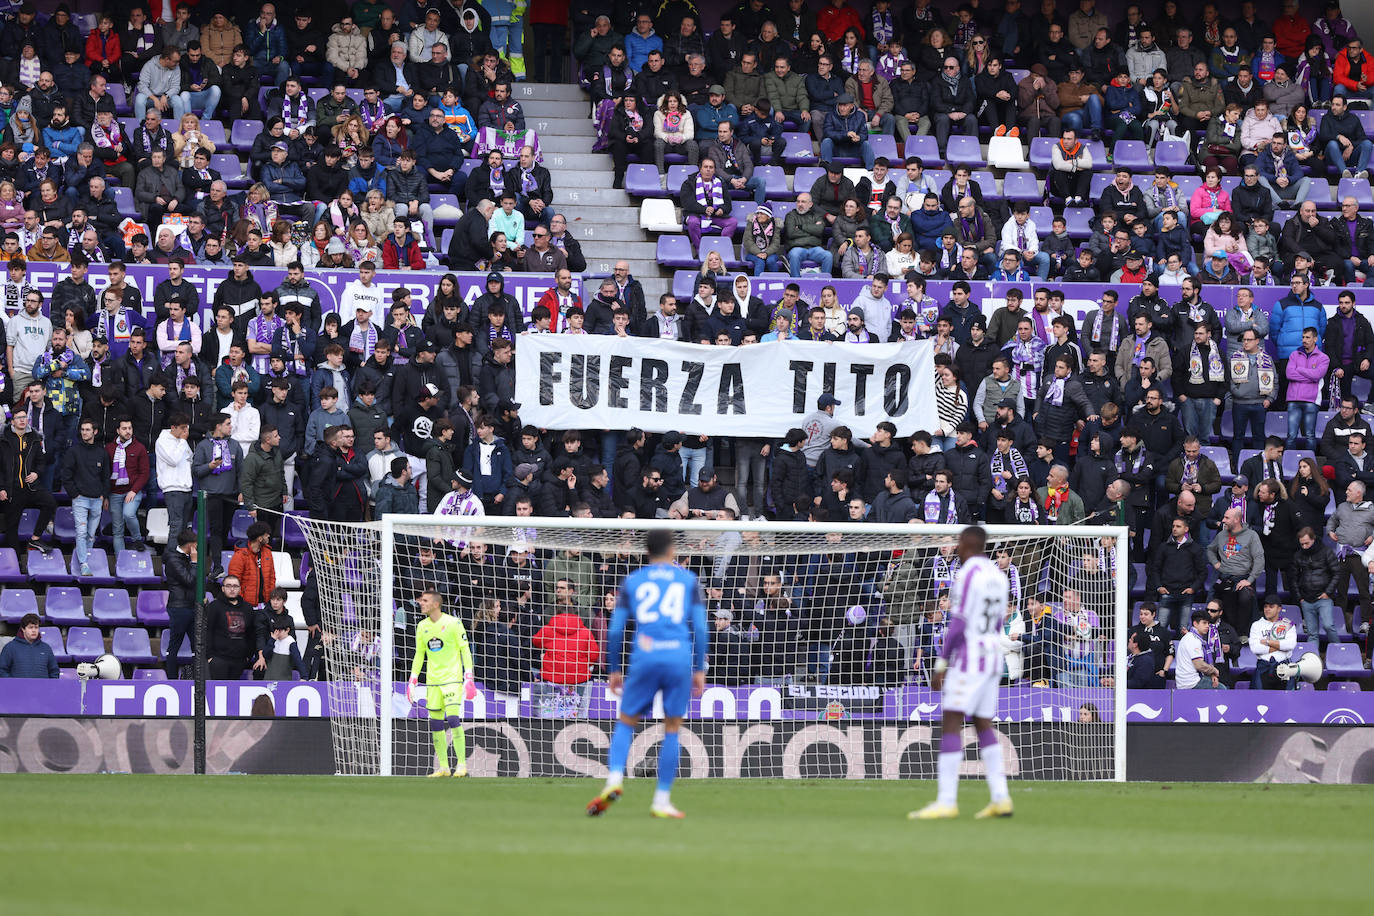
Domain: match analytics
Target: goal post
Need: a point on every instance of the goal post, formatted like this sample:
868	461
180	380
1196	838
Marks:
822	638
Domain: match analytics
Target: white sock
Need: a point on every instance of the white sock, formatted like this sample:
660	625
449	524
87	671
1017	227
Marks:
948	793
614	780
661	798
996	771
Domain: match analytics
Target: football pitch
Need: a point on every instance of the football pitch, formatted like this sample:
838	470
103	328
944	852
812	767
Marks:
306	845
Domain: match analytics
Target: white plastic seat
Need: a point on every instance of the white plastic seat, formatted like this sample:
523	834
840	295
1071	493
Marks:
658	215
1007	153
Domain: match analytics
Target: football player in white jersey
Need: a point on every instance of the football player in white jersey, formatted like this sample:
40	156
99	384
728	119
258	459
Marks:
967	673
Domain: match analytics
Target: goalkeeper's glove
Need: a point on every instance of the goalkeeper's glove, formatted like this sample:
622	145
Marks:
469	688
410	688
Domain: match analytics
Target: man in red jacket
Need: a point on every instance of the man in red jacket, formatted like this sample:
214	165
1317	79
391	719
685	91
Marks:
401	251
1291	31
559	299
569	648
835	17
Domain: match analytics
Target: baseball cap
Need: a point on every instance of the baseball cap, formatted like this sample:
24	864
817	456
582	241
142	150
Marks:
706	473
715	89
1219	254
1007	402
828	400
845	99
524	470
1240	480
463	479
723	614
1304	255
507	404
671	438
431	390
495	277
1134	255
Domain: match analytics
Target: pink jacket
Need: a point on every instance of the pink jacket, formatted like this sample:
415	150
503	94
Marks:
1201	201
1306	372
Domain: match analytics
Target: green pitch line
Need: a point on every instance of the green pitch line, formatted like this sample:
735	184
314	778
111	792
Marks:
322	845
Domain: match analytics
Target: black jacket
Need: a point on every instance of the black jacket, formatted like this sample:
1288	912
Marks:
180	574
234	629
1314	572
972	474
86	470
1175	566
19	458
790	484
469	243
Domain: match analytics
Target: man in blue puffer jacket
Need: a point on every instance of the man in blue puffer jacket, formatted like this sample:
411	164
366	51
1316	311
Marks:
1290	315
27	655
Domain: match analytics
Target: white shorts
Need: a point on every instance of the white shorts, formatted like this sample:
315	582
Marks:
972	693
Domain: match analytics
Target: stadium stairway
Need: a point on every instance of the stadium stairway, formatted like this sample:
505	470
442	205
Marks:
604	220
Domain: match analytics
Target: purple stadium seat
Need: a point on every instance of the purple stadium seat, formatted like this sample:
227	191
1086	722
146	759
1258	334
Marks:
151	608
1366	117
1222	458
1292	456
121	100
804	177
1343	660
53	637
238	528
1078	220
230	168
130	124
150	674
131	646
1042	153
1100	182
926	148
1042	216
243	133
292	535
1023	186
304	567
671	251
677	174
111	606
16	602
85	644
184	655
885	145
355	94
99	562
136	568
64	525
727	250
1344	687
774	180
213	128
63	605
1172	154
1230	183
1133	154
1246	663
50	568
1187	184
1099	153
1276	424
985	180
124	201
9	567
444	200
963	150
28	519
642	181
798	151
1319	192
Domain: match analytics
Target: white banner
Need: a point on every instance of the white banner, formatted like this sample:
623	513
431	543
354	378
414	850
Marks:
599	382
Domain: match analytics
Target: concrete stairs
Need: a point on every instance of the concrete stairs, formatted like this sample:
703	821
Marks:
604	220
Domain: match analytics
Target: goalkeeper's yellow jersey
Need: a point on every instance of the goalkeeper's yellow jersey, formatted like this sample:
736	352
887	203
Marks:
444	643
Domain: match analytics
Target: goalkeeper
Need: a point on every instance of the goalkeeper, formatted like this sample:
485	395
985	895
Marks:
441	643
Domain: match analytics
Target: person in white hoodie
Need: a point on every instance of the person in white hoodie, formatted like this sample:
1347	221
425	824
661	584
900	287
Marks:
246	420
27	333
173	458
877	310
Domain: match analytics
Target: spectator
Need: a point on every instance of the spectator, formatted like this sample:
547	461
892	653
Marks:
1177	572
569	649
1196	661
27	655
252	565
233	631
215	466
1238	557
1272	639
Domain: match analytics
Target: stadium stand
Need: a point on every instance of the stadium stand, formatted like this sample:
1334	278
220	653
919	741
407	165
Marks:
1198	199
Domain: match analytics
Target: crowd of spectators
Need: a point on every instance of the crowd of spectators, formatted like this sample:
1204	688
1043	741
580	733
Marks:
1043	418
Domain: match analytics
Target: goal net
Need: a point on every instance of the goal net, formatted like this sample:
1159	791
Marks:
821	645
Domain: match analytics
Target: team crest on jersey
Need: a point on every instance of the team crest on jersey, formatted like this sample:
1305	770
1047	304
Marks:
1280	629
435	644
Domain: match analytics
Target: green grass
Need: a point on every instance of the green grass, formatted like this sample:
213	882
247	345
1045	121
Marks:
306	845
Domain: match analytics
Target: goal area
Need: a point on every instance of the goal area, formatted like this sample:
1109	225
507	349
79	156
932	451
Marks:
822	640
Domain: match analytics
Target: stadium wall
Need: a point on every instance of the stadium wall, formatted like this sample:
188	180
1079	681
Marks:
1325	754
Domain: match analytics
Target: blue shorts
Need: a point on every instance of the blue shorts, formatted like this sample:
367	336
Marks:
645	681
